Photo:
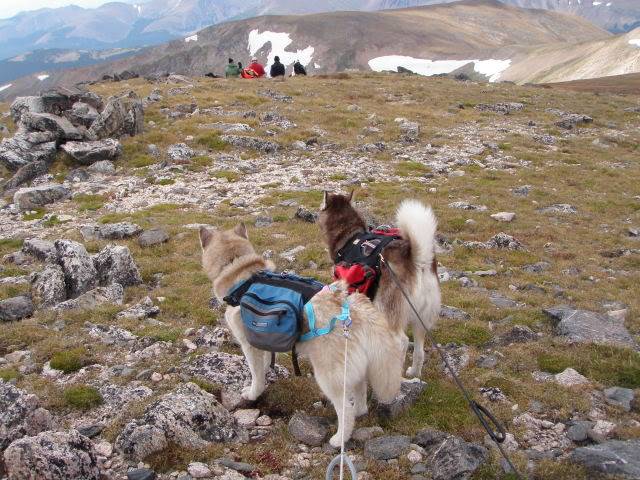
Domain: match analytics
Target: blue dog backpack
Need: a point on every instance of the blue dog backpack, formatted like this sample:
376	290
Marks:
271	306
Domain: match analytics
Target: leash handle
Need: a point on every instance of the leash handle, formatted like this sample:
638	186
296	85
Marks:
490	423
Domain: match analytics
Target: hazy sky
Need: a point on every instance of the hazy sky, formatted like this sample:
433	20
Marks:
8	8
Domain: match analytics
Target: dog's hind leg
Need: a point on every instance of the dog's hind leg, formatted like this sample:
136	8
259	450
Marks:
344	425
361	399
258	361
415	370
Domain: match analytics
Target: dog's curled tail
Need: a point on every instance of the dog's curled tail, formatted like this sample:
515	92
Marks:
418	224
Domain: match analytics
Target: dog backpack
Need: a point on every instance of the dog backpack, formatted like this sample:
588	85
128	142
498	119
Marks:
358	262
271	306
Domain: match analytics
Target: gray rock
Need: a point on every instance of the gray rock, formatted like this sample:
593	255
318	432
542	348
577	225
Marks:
572	120
409	394
227	127
467	206
141	474
188	417
140	311
15	308
237	466
453	313
79	271
156	236
522	191
276	96
306	215
579	431
112	294
115	264
27	147
615	457
503	108
52	456
387	447
586	326
504	241
537	267
110	231
20	415
87	153
180	152
262	222
23	105
48	287
362	434
25	174
487	361
517	334
37	197
104	167
562	208
308	430
82	114
121	116
110	334
62	128
251	142
620	397
449	457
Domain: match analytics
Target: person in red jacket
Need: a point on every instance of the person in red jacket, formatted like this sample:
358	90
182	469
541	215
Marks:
257	68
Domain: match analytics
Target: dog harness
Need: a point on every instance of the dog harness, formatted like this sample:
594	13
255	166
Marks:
344	317
358	262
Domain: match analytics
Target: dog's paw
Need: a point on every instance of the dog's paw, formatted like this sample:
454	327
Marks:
249	395
411	373
336	440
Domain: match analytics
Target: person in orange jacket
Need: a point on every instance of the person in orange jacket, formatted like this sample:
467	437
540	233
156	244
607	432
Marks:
257	68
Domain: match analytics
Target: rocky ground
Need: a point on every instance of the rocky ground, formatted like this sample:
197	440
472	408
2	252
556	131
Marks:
114	360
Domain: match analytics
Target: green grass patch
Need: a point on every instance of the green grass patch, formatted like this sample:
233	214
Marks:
212	141
136	156
411	169
35	214
162	334
230	175
166	181
89	203
467	333
8	374
337	177
82	397
288	395
12	272
69	361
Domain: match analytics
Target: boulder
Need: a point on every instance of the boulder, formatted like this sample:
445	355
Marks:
25	174
115	264
141	474
87	153
43	250
113	294
309	430
409	394
453	313
140	311
52	456
570	378
22	105
180	152
517	334
110	231
620	397
62	128
15	308
188	417
25	148
152	237
20	415
450	457
586	326
82	114
387	447
614	457
79	271
48	287
103	167
251	142
36	197
572	120
121	116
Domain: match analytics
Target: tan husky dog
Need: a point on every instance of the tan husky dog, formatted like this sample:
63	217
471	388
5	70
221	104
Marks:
412	258
374	349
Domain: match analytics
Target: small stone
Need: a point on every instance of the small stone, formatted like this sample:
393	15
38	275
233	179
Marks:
504	216
153	237
141	474
620	397
264	421
570	378
262	222
156	377
306	215
579	431
199	470
308	430
247	417
15	308
414	456
104	449
387	447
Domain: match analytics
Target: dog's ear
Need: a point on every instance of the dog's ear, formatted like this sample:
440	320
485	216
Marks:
350	196
325	200
206	234
241	230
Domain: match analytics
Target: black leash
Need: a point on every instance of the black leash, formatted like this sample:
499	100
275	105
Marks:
486	418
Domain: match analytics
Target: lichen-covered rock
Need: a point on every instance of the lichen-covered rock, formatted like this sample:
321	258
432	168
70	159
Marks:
79	272
121	116
180	152
110	231
87	153
52	456
48	287
20	415
308	429
36	197
25	174
140	311
614	457
27	147
115	264
15	308
112	294
41	249
62	128
188	417
251	142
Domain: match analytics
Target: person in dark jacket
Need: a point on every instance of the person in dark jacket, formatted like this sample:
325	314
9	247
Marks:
299	69
277	69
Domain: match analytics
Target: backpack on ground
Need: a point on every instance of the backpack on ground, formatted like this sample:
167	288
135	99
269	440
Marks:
271	307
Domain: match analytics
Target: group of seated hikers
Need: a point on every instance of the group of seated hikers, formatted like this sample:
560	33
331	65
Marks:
256	70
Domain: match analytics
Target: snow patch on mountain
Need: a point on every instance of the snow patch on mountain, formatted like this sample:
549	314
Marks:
43	77
490	68
635	41
4	87
279	42
192	38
